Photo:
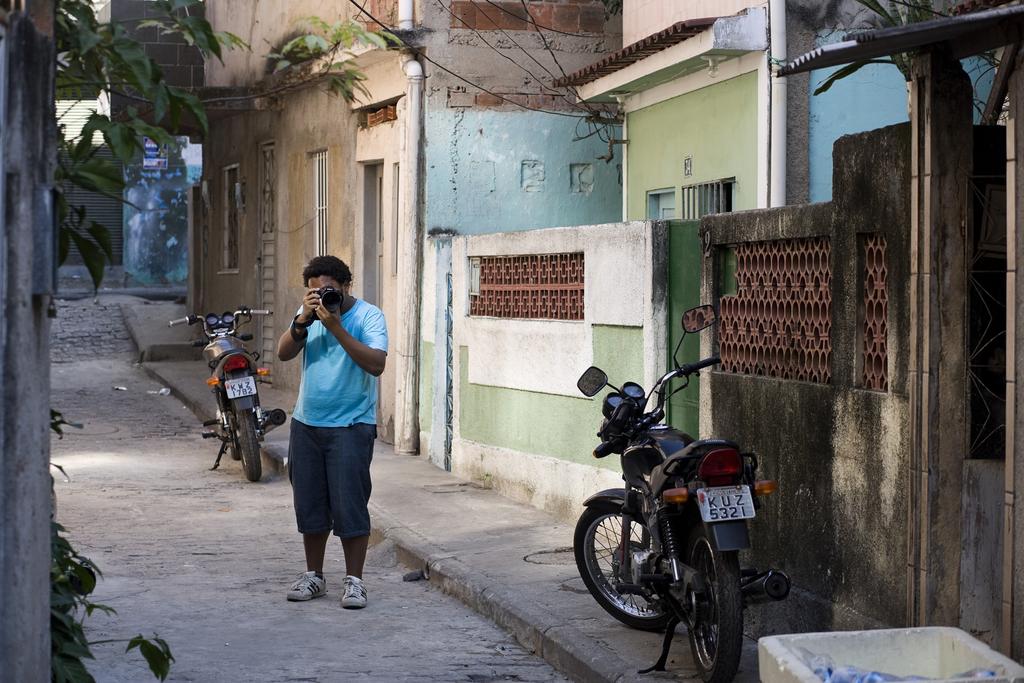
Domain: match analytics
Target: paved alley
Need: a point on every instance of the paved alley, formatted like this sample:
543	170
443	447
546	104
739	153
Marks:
203	559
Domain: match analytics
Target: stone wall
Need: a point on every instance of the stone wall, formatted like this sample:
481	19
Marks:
838	524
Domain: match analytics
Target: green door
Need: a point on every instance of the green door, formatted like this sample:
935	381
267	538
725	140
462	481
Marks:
684	264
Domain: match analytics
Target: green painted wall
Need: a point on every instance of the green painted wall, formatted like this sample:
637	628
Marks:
716	126
684	254
546	424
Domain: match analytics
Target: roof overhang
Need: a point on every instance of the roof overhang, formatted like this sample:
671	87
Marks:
964	35
682	49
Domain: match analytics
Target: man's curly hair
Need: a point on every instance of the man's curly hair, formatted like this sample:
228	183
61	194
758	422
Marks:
330	266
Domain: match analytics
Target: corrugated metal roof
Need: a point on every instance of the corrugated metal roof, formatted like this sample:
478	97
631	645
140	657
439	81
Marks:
966	34
631	54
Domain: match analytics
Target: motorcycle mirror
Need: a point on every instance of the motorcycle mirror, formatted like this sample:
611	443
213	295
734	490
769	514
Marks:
699	318
592	381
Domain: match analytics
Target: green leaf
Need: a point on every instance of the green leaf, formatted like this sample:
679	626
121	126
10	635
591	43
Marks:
93	257
98	175
101	236
847	70
122	141
877	8
157	653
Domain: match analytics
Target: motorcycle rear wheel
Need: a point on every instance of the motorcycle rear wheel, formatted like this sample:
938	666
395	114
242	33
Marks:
717	639
248	445
596	541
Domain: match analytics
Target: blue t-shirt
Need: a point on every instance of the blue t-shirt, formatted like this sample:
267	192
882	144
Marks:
335	391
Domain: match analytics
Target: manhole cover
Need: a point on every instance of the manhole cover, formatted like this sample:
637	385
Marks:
559	556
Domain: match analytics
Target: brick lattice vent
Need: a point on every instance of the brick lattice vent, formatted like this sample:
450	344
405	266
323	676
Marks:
547	286
779	322
875	359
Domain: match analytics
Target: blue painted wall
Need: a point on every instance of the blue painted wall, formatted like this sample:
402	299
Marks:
495	171
156	221
873	97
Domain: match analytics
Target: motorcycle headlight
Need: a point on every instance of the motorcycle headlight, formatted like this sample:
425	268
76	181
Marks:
611	402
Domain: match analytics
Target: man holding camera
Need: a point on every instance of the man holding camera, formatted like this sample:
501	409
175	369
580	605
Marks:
344	341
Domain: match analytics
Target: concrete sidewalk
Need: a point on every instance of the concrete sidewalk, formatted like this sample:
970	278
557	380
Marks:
509	561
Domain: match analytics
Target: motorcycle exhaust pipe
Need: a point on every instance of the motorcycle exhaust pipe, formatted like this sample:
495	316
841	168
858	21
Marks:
766	587
274	418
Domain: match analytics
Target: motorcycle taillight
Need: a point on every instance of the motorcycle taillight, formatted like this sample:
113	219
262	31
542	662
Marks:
236	362
720	467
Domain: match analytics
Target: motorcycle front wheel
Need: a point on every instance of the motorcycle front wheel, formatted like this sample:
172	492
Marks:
248	444
597	545
717	638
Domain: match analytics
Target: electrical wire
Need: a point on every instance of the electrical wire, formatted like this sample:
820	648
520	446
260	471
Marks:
419	53
502	54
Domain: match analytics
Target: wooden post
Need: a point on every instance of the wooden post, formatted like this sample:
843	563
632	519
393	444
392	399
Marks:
27	159
941	164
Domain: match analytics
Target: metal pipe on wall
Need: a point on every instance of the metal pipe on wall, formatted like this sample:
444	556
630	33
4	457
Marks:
777	52
405	15
407	342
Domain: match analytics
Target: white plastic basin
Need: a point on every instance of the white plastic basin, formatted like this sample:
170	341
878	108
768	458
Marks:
937	653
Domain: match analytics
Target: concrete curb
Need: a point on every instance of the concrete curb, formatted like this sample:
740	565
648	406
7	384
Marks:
567	649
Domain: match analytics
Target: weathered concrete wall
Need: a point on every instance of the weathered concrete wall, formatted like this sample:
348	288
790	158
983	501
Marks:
481	162
266	25
28	158
519	422
838	524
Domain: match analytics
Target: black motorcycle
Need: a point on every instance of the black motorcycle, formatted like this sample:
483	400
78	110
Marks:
665	549
240	423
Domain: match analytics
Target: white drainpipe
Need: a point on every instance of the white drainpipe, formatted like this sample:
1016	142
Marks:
406	357
777	51
405	15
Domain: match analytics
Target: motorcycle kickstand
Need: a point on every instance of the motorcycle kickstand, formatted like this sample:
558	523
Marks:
670	632
220	454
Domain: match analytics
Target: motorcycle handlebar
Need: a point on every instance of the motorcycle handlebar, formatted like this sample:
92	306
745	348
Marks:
260	311
178	321
691	368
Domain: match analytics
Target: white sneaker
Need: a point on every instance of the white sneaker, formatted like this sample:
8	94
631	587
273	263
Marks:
307	587
355	593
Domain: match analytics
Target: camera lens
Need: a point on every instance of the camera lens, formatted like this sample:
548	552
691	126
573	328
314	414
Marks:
331	300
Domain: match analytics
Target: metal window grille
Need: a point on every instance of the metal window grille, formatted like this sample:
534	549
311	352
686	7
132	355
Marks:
320	187
779	322
545	286
875	354
232	192
703	199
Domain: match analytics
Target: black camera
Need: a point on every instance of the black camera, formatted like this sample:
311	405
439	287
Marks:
330	298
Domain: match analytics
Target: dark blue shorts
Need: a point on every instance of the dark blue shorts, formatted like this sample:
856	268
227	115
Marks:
329	468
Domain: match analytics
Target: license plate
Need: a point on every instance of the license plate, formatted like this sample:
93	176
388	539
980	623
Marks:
725	503
237	388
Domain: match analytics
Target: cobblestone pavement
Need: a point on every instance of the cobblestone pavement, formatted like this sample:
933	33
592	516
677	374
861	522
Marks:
89	328
203	558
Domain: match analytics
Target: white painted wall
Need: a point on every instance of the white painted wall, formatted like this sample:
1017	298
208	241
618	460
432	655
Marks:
622	288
